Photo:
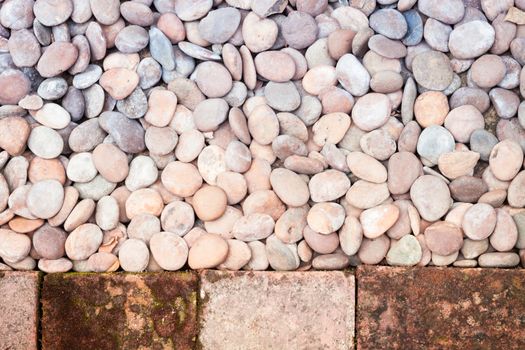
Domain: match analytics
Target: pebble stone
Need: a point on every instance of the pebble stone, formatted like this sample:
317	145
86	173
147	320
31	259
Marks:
252	135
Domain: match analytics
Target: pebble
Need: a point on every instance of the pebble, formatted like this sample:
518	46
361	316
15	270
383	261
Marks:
432	70
14	246
405	252
281	256
133	255
431	197
371	111
352	75
505	160
326	217
328	185
83	241
127	134
479	221
471	39
208	251
433	142
448	11
270	134
497	259
19	83
56	59
169	250
389	22
45	198
377	220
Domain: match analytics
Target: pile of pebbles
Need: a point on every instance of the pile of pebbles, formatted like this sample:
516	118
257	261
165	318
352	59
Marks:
261	134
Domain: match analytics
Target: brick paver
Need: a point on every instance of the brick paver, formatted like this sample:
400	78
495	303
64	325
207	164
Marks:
19	310
440	308
119	311
276	310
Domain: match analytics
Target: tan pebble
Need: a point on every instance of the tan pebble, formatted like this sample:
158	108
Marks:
234	185
110	162
443	238
70	200
289	186
209	202
169	250
190	144
161	107
252	227
505	233
45	198
431	107
239	254
80	214
248	68
23	225
46	169
264	202
462	121
223	226
289	227
319	79
328	185
263	124
331	128
377	220
351	235
372	251
14	132
431	197
456	164
144	201
259	34
364	195
232	60
326	217
83	241
172	27
259	259
239	125
340	42
366	167
211	163
177	217
213	79
258	176
506	159
181	179
275	66
479	221
119	82
193	235
208	251
238	157
321	243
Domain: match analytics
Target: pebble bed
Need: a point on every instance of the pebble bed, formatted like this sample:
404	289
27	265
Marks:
270	134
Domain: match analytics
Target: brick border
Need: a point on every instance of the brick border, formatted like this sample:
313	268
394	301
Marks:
396	308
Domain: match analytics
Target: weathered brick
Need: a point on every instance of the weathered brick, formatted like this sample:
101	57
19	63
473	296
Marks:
19	310
119	311
440	308
276	310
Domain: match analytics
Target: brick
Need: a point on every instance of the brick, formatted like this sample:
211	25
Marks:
440	308
276	310
119	311
19	310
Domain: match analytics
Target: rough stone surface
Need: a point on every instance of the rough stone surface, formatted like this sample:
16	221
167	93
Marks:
19	309
316	310
126	311
421	308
